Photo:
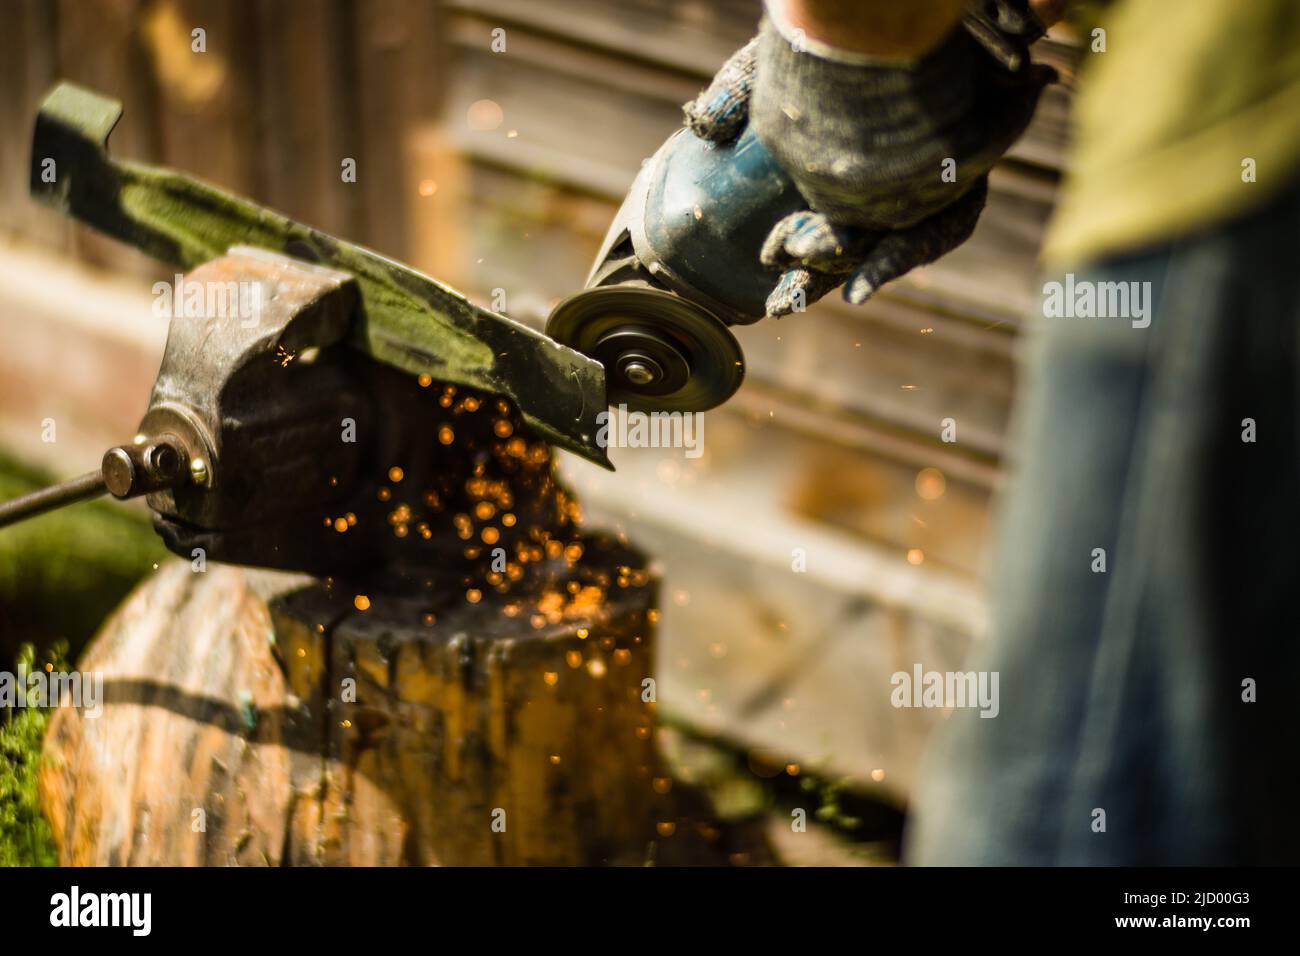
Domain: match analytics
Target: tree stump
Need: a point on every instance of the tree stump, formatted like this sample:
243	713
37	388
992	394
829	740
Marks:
245	726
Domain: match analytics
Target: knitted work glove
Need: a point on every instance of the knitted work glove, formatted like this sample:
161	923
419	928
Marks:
891	155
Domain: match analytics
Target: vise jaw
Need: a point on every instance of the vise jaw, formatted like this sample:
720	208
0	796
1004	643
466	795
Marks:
255	392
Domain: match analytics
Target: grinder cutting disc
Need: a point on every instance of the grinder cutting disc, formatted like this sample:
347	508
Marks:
661	352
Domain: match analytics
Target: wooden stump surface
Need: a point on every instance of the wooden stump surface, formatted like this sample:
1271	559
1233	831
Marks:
253	718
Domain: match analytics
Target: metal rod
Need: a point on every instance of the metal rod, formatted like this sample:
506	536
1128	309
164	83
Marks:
89	485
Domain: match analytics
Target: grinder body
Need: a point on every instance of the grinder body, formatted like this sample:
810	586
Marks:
697	216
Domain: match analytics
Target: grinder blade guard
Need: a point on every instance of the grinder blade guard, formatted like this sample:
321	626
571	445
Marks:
680	264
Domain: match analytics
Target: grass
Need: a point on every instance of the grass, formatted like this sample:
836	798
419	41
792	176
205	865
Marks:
60	576
25	838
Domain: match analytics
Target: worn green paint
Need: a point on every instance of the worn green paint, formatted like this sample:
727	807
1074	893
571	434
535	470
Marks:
407	319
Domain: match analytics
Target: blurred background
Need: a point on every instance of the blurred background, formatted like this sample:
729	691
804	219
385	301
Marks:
493	141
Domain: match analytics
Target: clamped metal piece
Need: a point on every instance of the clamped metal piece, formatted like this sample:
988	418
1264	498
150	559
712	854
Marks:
265	421
407	319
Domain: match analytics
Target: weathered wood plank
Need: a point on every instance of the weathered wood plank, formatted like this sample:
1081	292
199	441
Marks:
28	68
398	68
300	112
101	46
206	100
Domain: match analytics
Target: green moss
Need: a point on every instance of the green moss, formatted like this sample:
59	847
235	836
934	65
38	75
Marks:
63	572
25	838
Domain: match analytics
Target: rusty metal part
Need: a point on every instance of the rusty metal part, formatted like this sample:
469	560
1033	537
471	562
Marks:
224	392
406	319
151	464
317	459
257	398
127	471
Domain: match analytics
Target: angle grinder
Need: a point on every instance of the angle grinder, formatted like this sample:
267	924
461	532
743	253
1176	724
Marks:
680	263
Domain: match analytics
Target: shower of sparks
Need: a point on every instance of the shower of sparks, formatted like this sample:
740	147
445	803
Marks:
479	506
930	484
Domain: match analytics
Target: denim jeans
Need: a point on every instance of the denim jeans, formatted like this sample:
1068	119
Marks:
1122	689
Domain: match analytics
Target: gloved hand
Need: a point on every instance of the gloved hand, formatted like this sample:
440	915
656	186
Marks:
892	156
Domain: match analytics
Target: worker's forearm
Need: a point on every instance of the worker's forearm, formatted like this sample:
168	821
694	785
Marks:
888	28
